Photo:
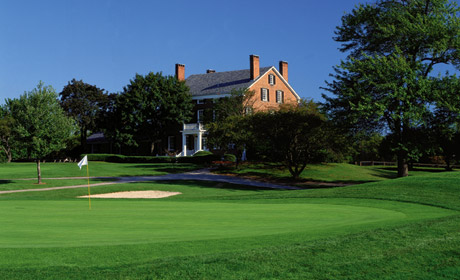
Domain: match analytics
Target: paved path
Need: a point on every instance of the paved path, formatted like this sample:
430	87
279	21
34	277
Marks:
198	175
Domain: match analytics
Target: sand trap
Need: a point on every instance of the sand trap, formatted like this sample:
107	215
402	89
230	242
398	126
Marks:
133	194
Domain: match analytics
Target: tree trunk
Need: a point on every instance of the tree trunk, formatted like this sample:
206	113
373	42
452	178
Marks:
83	136
9	155
448	166
39	172
403	168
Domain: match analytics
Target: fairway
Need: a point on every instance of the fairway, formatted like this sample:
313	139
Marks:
216	230
70	223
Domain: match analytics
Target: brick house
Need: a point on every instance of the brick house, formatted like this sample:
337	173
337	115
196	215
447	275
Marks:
270	85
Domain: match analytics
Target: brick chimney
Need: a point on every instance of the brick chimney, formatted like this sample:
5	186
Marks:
284	69
210	71
254	66
180	72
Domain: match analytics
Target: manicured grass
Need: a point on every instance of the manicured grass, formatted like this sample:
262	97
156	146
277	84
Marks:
332	172
7	185
18	170
389	229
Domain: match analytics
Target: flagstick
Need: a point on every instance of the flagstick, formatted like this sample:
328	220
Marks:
89	193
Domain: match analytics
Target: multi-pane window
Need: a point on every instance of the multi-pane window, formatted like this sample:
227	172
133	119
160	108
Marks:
171	143
264	94
279	96
247	110
199	115
200	101
271	79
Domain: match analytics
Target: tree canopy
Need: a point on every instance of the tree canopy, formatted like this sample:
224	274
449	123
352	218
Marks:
148	106
41	126
85	103
386	83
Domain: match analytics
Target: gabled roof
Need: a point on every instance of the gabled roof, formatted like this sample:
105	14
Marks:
220	83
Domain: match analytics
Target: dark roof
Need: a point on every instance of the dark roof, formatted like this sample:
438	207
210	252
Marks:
96	138
220	82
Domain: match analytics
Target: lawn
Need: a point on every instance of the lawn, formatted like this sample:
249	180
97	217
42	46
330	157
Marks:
387	229
96	168
330	173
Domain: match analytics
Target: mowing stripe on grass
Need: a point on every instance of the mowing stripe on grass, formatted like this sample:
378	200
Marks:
69	223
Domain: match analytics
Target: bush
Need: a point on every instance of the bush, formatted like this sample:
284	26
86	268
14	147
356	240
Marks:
129	159
230	157
202	153
202	157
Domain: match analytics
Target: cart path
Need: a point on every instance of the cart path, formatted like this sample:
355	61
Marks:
197	175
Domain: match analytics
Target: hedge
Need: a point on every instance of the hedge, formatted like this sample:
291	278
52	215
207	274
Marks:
203	158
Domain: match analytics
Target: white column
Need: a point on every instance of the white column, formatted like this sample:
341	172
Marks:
199	141
184	144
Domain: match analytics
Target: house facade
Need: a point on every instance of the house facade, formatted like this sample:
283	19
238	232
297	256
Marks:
270	85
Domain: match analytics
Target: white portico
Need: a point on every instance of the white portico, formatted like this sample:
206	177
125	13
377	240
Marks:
193	139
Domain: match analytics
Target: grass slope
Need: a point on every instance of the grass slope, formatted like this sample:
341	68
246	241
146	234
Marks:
393	229
18	170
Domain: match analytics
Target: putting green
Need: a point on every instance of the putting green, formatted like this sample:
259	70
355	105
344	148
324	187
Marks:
30	223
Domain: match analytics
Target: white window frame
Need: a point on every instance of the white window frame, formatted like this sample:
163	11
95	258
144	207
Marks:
264	95
279	97
200	101
271	79
248	110
199	116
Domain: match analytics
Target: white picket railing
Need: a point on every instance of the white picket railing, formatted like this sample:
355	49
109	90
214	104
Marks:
193	126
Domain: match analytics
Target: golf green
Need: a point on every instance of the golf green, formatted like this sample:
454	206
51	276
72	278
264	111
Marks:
29	224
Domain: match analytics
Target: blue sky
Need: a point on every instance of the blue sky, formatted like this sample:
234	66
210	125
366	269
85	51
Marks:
106	43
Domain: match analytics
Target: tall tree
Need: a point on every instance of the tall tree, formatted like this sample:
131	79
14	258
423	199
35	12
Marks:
444	123
6	133
293	135
393	47
85	103
227	124
41	126
148	106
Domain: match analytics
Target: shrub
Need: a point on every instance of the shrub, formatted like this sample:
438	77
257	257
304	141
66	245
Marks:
128	159
230	157
202	153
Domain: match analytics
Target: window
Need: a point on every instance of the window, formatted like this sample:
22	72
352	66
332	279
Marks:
199	115
271	79
279	96
213	115
248	110
171	143
200	101
264	94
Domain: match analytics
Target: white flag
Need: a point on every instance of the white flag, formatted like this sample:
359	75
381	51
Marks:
82	162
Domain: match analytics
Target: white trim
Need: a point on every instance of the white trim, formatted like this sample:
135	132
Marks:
199	119
282	79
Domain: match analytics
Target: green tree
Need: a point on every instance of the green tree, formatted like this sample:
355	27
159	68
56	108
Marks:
227	123
41	126
294	135
385	82
6	133
148	106
85	103
444	122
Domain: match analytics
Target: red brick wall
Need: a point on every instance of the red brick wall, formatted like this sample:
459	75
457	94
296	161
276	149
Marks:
259	105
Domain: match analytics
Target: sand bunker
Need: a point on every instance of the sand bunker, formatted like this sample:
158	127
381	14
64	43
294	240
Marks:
134	194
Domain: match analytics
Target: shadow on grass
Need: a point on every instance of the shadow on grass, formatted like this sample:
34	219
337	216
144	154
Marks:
5	182
216	185
167	168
